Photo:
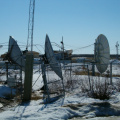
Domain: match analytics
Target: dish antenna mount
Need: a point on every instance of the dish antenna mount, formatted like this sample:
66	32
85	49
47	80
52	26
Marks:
49	58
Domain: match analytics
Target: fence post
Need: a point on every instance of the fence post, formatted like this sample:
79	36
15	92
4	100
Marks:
28	78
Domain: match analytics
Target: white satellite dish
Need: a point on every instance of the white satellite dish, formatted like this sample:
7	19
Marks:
14	53
51	57
102	53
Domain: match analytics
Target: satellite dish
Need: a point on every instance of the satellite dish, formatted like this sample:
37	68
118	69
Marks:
102	53
51	57
14	53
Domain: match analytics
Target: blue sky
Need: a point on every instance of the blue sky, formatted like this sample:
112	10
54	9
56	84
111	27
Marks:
78	21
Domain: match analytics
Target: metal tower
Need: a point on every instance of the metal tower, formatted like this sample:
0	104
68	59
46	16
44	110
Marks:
31	24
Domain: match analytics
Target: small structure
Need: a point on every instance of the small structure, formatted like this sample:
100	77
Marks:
66	54
35	54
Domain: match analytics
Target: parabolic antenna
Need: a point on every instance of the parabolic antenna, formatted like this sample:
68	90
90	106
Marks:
102	53
14	53
51	57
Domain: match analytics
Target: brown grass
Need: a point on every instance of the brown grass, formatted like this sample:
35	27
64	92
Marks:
115	75
96	74
86	73
36	97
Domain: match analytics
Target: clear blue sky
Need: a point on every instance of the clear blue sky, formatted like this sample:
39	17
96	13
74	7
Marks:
78	21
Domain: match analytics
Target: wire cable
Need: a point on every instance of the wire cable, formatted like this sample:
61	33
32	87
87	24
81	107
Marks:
36	80
83	47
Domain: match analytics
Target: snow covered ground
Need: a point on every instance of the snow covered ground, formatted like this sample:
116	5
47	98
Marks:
74	105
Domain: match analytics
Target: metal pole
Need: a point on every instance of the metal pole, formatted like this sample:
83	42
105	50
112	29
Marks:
63	87
111	73
93	69
89	77
70	74
32	26
21	80
117	45
45	82
95	51
6	71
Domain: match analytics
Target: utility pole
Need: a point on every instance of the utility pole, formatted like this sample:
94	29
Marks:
117	50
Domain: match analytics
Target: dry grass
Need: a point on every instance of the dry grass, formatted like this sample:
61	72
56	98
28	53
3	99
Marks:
80	73
98	88
115	75
96	74
86	73
36	97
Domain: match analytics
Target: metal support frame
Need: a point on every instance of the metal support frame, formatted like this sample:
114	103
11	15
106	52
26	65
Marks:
45	83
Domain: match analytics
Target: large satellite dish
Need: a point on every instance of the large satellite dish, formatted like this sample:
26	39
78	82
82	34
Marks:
51	58
14	53
102	53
